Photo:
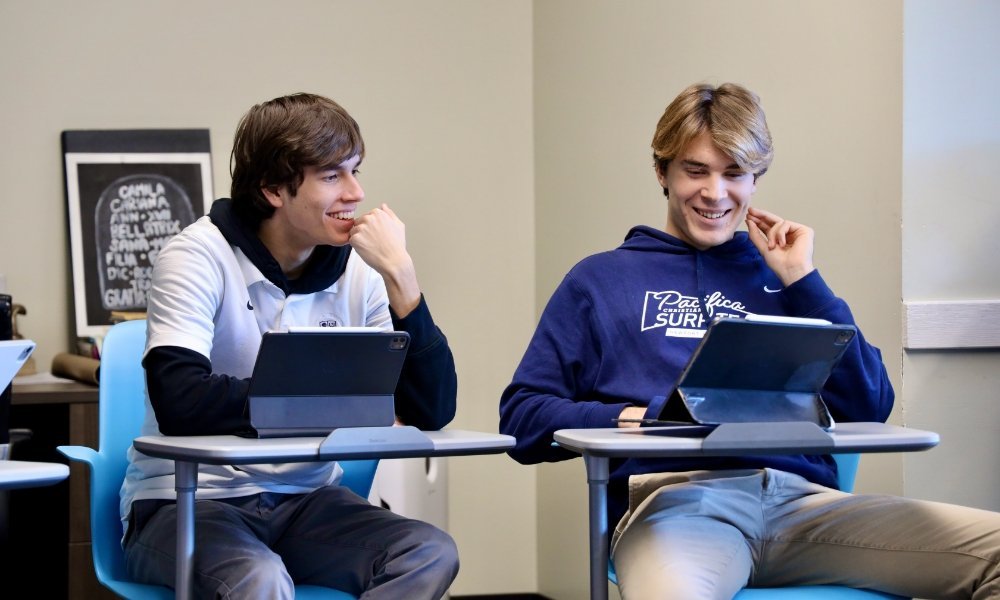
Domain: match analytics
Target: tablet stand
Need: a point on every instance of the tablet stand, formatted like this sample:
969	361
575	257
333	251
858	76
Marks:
402	439
777	437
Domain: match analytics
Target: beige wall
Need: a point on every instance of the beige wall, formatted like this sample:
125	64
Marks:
950	244
830	77
513	139
442	89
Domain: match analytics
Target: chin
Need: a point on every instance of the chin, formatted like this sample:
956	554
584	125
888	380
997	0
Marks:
714	239
338	241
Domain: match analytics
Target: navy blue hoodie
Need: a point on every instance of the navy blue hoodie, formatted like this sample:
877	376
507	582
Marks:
621	326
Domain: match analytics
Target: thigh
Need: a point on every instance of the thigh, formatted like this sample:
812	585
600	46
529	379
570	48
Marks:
688	540
333	537
691	557
230	556
909	547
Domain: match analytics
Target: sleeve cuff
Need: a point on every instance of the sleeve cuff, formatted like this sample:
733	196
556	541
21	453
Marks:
808	295
604	415
419	324
655	407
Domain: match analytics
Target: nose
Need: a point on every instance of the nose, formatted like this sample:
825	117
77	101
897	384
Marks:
352	191
715	188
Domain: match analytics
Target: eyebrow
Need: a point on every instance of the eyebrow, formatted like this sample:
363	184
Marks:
341	166
694	163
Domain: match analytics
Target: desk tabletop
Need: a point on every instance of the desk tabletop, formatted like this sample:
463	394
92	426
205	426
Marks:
45	388
231	449
689	440
22	474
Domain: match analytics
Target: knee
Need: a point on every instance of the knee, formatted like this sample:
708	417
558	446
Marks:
435	547
440	546
259	578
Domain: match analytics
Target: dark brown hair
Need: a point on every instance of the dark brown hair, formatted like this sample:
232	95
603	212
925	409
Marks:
276	140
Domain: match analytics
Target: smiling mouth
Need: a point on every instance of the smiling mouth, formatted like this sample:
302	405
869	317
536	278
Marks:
344	216
711	215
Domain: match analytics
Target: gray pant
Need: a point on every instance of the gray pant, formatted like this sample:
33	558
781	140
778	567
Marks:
705	535
256	546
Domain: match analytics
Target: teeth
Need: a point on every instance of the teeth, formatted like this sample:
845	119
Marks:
711	215
344	215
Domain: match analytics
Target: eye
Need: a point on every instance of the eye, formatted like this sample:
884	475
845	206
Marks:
695	172
356	172
736	174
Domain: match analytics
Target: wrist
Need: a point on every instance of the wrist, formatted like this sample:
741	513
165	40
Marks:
402	288
631	415
790	276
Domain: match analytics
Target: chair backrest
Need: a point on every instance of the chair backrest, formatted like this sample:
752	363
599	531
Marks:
121	411
122	392
847	469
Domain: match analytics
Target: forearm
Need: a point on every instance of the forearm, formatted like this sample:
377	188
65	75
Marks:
402	288
532	417
189	400
859	388
426	394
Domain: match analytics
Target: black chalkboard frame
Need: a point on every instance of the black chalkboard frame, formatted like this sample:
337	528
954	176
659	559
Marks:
127	192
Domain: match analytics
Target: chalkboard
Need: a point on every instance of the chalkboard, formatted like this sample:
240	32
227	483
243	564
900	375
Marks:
128	192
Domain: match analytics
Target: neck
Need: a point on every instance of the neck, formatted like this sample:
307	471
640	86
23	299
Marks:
290	257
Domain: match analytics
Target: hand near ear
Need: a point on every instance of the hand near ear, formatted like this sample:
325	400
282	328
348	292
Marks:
787	247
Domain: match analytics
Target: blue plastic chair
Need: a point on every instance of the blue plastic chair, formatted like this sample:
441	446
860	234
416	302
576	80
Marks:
847	469
121	410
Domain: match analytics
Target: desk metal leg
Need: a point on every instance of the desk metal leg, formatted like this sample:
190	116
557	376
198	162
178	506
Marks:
185	482
597	480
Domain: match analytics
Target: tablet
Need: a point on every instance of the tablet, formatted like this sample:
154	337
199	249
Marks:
762	370
13	353
310	382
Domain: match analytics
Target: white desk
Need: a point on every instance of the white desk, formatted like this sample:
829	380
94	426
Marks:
363	443
21	474
599	445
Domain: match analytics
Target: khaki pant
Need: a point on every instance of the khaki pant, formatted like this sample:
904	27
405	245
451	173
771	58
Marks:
706	535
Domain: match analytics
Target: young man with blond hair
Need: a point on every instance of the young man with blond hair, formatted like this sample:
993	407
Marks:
623	322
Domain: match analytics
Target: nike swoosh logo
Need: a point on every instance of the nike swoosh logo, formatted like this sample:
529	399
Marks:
250	306
770	291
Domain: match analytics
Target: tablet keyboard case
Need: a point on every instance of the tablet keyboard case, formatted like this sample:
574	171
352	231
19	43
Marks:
746	372
308	384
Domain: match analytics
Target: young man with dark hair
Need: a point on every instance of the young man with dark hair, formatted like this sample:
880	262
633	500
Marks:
623	322
289	249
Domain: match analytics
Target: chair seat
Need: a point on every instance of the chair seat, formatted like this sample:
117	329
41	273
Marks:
813	592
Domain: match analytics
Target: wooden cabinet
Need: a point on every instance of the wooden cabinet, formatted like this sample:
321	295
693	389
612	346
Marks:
49	528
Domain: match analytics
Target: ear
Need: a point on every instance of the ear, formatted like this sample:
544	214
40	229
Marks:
274	194
660	175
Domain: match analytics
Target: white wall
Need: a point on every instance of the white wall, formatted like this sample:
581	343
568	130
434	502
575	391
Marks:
950	243
442	90
830	77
